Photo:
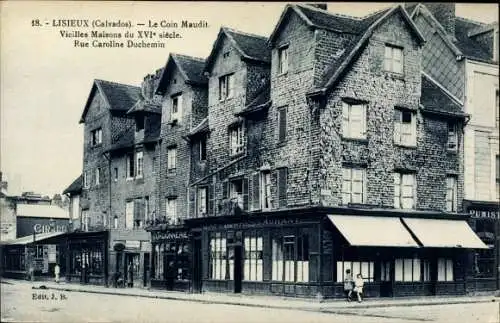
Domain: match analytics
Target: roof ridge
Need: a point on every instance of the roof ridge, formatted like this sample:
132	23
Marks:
376	12
471	21
326	11
189	57
244	33
116	83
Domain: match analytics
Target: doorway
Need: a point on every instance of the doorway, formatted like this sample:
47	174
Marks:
132	269
147	270
197	265
238	268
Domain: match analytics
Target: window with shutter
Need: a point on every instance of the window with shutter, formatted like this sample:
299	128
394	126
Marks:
451	194
353	120
452	136
405	128
404	191
282	187
353	185
255	196
282	124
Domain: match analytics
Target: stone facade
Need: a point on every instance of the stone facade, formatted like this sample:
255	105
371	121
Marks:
173	183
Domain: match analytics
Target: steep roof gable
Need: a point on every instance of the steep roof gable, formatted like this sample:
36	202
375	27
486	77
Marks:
249	46
75	187
462	45
370	23
116	96
190	67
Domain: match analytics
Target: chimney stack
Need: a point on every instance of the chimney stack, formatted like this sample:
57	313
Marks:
318	5
444	12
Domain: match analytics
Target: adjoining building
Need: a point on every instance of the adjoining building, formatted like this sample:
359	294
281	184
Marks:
38	246
462	55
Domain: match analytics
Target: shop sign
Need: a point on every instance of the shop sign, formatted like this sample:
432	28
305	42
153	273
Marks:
492	214
46	228
256	223
132	244
169	236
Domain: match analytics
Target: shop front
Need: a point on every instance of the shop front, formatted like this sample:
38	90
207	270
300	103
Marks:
483	272
306	252
130	258
172	259
34	257
86	257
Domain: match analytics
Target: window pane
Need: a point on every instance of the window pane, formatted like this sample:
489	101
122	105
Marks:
441	269
408	270
416	269
398	270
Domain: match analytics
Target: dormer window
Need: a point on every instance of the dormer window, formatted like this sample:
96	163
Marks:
175	113
226	86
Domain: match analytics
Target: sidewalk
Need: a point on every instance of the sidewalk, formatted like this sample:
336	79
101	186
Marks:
329	306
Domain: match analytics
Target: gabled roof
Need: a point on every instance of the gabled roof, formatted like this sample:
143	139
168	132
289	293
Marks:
464	44
420	8
261	100
470	47
190	67
202	127
437	99
75	187
116	96
145	106
356	45
249	46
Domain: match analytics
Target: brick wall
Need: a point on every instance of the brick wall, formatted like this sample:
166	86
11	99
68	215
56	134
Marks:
173	183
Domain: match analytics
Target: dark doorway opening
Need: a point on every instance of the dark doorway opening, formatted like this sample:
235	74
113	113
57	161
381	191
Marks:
238	268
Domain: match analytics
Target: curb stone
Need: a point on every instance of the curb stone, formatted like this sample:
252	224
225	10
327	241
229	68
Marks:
322	308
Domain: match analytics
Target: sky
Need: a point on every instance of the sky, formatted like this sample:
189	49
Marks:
45	80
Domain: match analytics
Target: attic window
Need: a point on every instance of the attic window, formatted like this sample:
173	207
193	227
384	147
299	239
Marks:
175	81
139	123
226	54
393	61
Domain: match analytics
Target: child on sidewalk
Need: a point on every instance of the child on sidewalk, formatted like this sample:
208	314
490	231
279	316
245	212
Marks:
358	287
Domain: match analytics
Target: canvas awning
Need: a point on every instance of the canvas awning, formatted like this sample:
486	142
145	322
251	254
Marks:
38	238
442	233
373	231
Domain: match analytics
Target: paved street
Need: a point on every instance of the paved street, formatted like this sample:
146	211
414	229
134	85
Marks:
18	305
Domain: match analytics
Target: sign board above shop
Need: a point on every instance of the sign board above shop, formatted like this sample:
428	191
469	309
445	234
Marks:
169	235
132	244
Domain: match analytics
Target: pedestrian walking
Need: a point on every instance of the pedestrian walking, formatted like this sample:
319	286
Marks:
130	275
358	287
348	284
57	271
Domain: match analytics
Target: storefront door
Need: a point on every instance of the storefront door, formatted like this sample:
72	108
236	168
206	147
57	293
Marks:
133	273
197	266
238	268
386	278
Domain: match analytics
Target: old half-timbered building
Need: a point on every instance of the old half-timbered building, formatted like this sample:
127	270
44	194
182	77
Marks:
319	139
183	91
